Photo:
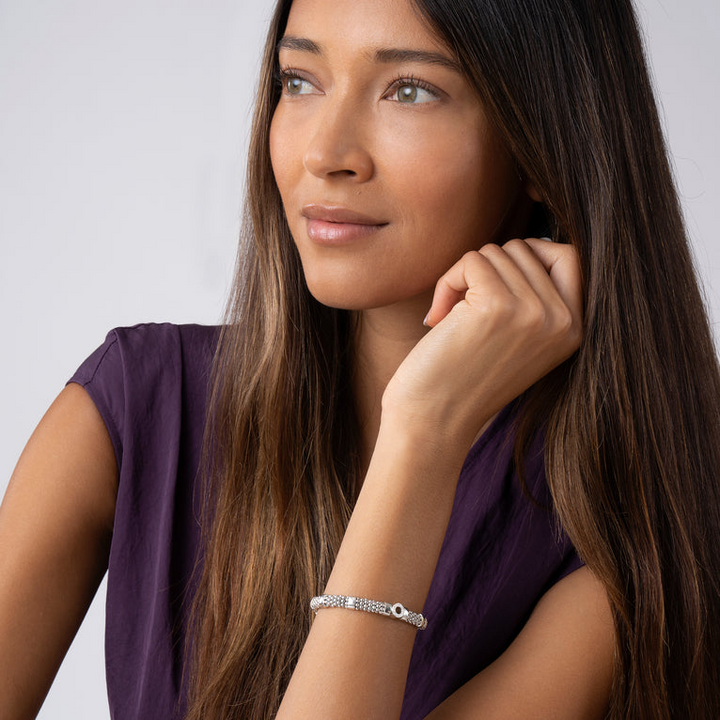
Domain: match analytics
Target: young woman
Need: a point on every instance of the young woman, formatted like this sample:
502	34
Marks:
407	360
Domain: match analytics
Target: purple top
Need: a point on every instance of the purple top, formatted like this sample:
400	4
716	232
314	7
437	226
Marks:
149	382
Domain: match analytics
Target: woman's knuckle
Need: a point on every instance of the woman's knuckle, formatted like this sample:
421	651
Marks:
497	307
535	316
567	330
564	321
575	335
489	249
514	244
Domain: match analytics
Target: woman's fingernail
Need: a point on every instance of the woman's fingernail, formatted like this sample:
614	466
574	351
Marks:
546	238
425	321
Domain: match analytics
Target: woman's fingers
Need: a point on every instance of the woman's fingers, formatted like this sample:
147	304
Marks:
543	276
553	272
472	270
563	267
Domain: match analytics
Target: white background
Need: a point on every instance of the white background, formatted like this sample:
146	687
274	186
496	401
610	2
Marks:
122	142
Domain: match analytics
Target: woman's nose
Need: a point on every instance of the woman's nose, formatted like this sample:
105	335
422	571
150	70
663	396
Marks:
337	147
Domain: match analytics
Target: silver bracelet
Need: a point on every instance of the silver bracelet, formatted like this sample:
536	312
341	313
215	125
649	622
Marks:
372	606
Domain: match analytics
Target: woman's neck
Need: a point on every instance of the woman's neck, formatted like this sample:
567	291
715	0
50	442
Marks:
384	337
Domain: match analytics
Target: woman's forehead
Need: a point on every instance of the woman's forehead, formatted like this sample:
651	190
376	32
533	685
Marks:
363	26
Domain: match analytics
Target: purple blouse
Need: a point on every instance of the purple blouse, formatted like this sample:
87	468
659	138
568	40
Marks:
149	382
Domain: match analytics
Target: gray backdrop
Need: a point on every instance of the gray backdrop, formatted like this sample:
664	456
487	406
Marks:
122	142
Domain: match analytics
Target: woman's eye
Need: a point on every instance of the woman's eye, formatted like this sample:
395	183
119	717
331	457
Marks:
412	93
295	85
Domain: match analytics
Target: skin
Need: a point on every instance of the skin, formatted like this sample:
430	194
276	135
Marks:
502	314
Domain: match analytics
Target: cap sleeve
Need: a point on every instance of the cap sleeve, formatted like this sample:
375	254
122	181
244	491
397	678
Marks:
102	376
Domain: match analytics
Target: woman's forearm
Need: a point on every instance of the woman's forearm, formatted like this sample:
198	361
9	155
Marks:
354	664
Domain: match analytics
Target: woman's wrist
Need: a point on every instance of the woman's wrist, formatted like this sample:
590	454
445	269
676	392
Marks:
438	428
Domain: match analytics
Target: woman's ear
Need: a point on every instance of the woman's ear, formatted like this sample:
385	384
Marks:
531	190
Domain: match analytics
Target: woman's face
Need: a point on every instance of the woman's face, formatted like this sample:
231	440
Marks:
387	166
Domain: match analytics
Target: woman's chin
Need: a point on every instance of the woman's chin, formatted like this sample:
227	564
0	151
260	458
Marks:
342	298
362	296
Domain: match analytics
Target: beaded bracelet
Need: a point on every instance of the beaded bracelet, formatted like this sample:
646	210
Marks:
372	606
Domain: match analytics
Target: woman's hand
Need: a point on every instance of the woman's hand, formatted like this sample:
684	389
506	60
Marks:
502	318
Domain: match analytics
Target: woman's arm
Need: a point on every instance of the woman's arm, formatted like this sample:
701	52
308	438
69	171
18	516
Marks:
55	528
559	666
504	318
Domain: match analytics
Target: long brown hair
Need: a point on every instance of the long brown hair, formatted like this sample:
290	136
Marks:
633	420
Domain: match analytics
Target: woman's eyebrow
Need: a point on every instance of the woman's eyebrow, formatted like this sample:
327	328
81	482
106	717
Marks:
289	42
397	55
382	55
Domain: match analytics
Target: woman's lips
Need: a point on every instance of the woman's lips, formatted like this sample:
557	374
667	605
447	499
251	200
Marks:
334	225
334	233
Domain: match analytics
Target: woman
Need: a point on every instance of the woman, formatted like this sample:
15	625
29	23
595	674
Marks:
400	147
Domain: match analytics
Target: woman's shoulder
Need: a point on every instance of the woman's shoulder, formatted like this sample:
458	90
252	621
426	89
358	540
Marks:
148	373
147	348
